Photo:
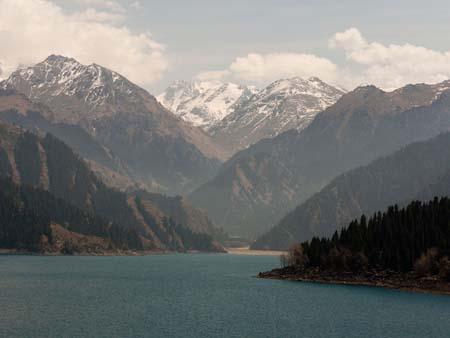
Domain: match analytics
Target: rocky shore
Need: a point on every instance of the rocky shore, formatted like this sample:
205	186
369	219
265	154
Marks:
386	279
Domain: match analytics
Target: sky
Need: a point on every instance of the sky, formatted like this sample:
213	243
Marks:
346	43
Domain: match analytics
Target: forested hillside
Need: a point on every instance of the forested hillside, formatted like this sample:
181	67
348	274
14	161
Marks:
418	171
49	164
28	214
416	237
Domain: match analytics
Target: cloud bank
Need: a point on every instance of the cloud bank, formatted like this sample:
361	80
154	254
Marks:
270	67
392	66
30	30
386	66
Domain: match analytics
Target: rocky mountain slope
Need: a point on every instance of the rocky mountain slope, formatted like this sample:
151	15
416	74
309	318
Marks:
180	210
203	103
48	164
16	108
283	105
397	179
159	148
259	185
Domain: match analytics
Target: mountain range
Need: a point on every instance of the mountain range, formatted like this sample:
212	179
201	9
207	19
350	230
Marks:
283	105
299	154
238	116
259	185
156	148
204	103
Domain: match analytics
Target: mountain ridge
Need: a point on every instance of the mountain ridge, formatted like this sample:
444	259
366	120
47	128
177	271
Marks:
238	116
282	105
203	103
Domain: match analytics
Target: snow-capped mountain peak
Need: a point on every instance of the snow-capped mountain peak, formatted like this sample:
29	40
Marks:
203	103
313	87
284	104
94	90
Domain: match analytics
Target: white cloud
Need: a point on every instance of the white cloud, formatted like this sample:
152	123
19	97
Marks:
270	67
391	66
30	30
264	68
386	66
349	39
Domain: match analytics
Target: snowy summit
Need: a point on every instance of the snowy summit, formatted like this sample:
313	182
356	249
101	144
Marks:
203	103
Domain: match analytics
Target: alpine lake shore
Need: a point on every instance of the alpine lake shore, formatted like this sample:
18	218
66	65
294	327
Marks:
403	281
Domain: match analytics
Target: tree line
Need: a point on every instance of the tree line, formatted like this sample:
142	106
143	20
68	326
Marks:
413	238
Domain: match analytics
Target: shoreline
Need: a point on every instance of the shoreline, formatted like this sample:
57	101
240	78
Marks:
242	251
246	251
407	282
14	252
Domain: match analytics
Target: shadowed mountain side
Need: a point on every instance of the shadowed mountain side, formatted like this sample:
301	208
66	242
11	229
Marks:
419	170
49	164
16	109
35	220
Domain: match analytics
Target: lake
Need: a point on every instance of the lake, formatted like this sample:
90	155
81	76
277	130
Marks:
198	295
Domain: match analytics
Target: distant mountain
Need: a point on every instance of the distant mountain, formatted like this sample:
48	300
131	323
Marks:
159	148
49	164
239	116
259	185
203	103
417	171
283	105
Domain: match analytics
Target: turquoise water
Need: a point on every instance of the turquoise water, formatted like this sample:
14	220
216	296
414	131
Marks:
198	296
